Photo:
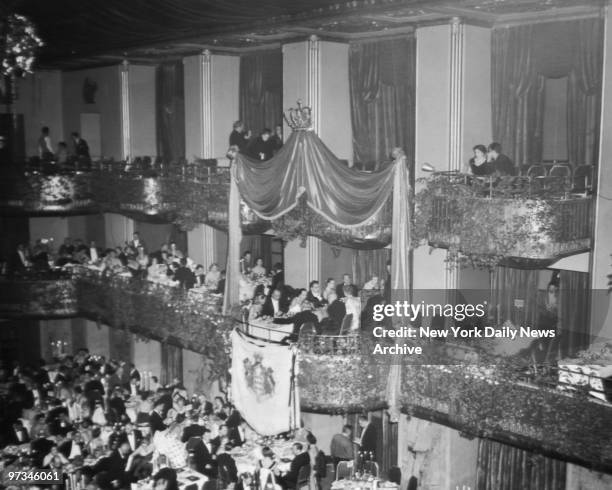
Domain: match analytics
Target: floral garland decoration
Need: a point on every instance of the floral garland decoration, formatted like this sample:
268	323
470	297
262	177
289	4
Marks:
20	44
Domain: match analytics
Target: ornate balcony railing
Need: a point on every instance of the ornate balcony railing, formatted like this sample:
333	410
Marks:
503	222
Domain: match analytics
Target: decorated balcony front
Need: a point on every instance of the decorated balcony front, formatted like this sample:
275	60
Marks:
506	218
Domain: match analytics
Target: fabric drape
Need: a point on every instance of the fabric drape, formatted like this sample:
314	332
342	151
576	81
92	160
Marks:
513	98
584	92
382	77
231	296
170	100
574	306
261	90
514	296
503	467
172	363
304	164
368	263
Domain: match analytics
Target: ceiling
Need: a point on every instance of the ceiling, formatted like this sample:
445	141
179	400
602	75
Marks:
80	33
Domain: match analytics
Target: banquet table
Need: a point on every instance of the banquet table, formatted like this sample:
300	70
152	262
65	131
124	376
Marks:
247	456
577	373
268	330
187	479
369	484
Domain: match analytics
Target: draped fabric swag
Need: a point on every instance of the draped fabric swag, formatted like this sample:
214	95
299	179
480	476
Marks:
522	59
382	77
261	90
574	306
170	111
503	467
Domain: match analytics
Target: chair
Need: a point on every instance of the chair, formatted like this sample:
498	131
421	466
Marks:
345	327
560	171
303	479
345	470
371	467
536	171
583	179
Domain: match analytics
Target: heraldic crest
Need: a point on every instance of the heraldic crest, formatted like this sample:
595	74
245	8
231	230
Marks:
259	378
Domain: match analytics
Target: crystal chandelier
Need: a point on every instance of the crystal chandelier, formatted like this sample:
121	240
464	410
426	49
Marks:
18	45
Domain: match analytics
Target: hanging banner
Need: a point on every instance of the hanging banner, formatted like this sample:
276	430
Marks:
263	384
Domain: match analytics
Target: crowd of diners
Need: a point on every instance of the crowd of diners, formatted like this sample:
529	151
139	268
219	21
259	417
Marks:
167	265
97	420
331	307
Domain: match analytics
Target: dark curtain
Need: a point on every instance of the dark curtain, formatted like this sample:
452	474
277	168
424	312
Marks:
172	363
503	467
382	77
584	92
259	246
170	100
515	296
522	58
367	263
514	93
574	308
261	90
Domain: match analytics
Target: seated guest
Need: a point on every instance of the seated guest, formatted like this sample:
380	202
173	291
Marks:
213	276
111	262
289	480
239	136
330	287
239	434
346	281
226	466
200	454
184	275
341	448
277	276
136	241
173	253
373	283
272	307
156	271
352	304
157	416
200	276
110	470
139	465
478	163
258	269
194	429
256	308
165	479
221	286
501	163
314	295
268	468
219	408
18	434
297	303
245	482
53	452
335	313
263	147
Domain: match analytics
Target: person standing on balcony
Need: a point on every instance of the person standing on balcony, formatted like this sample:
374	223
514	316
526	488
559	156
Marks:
263	147
81	148
277	138
45	148
501	163
239	137
367	439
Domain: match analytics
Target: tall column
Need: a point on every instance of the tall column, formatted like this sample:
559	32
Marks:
211	107
142	113
601	309
316	72
125	111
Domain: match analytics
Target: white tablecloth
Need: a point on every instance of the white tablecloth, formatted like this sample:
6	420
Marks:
266	329
185	477
247	457
571	372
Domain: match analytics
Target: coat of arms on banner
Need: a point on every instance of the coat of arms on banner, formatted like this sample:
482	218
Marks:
259	378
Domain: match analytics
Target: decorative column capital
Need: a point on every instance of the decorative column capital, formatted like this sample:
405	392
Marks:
206	56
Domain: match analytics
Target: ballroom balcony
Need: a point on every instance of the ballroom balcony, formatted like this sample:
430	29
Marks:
507	403
187	195
512	218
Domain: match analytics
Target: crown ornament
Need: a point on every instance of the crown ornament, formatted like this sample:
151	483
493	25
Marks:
299	118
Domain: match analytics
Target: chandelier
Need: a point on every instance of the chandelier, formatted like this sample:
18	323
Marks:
18	45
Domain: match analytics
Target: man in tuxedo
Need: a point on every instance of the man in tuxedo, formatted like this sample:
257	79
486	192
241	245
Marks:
226	466
194	429
335	313
272	306
71	447
137	241
18	434
239	136
367	440
346	281
501	163
20	261
156	419
262	148
314	295
237	435
289	480
184	275
110	470
201	455
132	436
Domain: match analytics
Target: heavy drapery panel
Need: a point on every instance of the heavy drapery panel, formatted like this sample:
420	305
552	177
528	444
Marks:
514	296
172	363
584	92
368	263
170	100
304	164
503	467
382	77
574	306
261	90
514	93
231	296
